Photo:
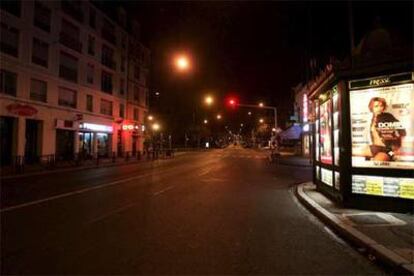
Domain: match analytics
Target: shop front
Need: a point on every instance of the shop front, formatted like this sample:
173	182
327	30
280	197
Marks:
364	139
8	126
95	139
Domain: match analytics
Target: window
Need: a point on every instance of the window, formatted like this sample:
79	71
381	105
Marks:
91	45
42	16
67	97
38	90
137	72
108	57
90	71
73	9
11	6
8	83
9	42
136	114
136	93
122	87
108	32
123	64
121	110
106	82
106	107
89	103
40	52
123	42
69	36
68	68
92	18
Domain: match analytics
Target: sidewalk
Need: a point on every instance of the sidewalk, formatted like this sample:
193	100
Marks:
33	170
388	237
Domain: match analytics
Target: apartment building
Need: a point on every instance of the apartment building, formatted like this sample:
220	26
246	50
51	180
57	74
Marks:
73	81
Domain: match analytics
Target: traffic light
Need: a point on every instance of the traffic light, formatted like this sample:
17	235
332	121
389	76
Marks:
232	102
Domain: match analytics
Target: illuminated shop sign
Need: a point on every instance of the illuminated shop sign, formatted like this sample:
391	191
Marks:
305	108
130	127
384	80
383	186
96	127
382	127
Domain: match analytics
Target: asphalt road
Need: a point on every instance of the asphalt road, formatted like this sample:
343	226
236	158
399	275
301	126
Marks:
218	212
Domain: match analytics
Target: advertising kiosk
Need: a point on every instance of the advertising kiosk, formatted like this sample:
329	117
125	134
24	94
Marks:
363	133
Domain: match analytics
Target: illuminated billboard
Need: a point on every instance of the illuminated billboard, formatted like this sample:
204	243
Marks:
383	186
382	127
325	132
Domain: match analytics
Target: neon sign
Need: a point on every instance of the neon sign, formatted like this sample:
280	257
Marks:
130	127
96	127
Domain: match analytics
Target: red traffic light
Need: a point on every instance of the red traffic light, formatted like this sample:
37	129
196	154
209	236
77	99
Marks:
232	102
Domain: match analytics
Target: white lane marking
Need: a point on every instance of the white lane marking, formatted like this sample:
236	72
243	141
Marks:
113	212
163	190
81	191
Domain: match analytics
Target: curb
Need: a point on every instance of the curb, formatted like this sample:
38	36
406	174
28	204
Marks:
69	169
399	264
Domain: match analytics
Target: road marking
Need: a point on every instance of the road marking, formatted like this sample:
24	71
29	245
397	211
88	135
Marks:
43	200
162	191
112	213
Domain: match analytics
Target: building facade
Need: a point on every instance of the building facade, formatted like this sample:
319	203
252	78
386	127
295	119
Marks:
65	73
302	108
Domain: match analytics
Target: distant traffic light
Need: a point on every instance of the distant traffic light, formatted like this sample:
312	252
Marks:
232	102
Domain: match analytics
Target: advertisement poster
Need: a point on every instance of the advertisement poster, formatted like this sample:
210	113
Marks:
325	132
382	127
383	186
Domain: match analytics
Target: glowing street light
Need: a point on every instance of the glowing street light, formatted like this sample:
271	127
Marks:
182	63
218	117
261	121
249	113
150	118
156	127
209	100
261	104
205	122
241	125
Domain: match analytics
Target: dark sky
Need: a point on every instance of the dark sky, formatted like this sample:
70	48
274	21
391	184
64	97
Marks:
258	50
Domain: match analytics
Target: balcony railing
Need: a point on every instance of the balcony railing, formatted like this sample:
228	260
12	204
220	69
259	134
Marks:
70	42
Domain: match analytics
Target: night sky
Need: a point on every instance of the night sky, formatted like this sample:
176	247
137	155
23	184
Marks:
257	50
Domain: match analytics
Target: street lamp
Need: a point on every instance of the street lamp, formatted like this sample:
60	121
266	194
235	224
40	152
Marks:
209	100
261	121
205	122
156	127
218	116
182	63
249	113
261	104
150	118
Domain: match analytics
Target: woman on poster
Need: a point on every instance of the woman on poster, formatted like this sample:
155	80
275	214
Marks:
386	131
